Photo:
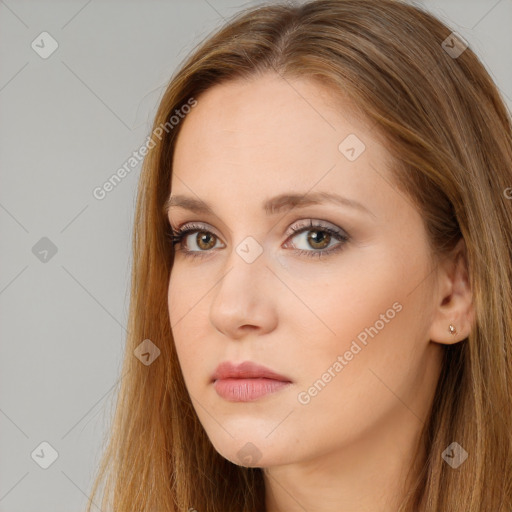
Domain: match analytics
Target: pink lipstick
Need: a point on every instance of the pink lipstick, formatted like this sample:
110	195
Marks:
247	381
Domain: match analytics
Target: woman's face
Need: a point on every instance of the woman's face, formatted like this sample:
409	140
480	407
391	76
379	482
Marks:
341	308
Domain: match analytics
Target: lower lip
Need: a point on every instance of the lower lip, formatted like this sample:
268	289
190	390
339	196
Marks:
246	390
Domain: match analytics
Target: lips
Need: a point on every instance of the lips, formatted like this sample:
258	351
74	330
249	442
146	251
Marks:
247	381
246	370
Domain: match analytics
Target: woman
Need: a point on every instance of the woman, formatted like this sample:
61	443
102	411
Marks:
321	300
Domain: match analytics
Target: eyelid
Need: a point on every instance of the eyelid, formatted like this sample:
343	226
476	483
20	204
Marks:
187	228
313	223
299	225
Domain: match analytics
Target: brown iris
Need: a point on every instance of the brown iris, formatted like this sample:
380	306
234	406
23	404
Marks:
202	237
319	237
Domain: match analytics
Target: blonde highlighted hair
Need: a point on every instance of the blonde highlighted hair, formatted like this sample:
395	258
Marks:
450	134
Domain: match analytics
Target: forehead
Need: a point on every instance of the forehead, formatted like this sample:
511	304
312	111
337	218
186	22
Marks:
269	134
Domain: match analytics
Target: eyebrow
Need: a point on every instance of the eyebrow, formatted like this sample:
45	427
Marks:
272	206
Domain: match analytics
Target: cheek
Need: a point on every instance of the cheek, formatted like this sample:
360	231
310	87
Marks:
360	329
184	295
189	301
368	313
340	300
356	378
183	303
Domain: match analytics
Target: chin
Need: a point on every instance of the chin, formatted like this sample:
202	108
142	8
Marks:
250	451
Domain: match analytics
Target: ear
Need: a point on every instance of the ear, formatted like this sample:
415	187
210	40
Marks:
454	299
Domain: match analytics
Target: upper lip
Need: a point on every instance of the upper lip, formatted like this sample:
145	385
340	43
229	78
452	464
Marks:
245	370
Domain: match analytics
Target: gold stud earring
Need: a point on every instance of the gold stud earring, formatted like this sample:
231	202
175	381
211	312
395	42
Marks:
452	329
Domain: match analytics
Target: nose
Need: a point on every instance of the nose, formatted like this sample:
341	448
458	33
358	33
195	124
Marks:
245	300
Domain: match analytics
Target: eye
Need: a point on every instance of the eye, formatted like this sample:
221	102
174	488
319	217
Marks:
204	240
318	236
315	235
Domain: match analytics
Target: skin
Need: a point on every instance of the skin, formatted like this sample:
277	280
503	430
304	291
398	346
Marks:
350	447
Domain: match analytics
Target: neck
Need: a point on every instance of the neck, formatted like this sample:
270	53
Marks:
371	474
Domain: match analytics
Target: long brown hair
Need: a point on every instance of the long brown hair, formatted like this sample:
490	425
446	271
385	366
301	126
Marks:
443	120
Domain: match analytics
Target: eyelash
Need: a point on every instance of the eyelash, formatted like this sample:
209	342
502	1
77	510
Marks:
176	236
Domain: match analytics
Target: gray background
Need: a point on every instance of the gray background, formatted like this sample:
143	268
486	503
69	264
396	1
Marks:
67	123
